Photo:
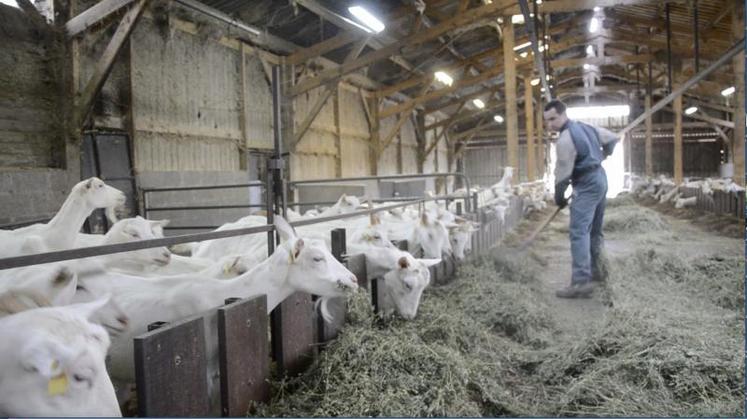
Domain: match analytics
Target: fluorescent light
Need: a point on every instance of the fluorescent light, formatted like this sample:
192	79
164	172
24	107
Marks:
586	112
589	50
597	8
524	54
443	78
539	2
11	3
367	18
478	103
547	77
524	45
691	110
542	89
498	119
594	25
728	91
518	19
534	82
587	66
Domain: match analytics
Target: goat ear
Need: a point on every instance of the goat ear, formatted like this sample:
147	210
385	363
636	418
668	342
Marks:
429	262
63	277
424	219
375	219
297	248
89	183
285	230
162	223
45	358
88	309
403	262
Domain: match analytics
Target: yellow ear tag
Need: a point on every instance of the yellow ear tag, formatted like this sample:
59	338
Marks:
57	385
226	269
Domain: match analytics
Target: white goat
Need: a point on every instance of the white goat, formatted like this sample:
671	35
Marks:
296	265
60	232
52	363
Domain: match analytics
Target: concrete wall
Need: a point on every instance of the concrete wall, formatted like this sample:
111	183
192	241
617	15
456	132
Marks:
30	85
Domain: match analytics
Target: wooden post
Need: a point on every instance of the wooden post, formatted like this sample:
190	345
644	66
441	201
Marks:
374	144
678	140
512	124
541	140
422	138
338	132
529	118
649	162
737	27
243	163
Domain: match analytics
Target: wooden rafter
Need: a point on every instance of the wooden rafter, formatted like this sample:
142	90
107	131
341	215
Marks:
564	6
393	49
324	47
606	60
93	15
84	99
402	118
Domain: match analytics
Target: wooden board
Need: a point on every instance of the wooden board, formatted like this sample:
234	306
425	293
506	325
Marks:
244	354
293	333
171	370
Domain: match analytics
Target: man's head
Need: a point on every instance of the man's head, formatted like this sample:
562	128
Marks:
555	116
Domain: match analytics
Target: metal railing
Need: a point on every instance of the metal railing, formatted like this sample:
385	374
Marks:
57	256
465	179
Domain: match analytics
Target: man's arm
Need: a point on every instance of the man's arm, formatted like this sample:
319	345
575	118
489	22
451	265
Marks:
607	139
566	159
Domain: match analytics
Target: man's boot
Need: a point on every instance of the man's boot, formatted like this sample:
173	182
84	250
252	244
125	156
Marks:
583	290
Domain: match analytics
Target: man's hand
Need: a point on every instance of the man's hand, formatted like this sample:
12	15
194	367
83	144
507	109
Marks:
560	188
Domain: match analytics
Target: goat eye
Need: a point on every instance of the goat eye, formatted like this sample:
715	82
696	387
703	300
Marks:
408	286
80	288
78	378
318	259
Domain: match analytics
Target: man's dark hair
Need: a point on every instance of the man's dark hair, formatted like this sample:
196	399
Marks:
557	105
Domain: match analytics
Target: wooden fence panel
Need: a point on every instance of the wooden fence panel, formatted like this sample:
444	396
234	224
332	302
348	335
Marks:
244	354
171	370
293	333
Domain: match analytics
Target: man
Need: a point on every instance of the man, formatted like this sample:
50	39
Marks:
580	150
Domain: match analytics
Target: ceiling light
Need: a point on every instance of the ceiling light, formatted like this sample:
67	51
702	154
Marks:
518	19
728	91
524	54
597	8
542	89
367	18
589	50
594	25
534	82
539	2
524	45
587	112
479	104
691	110
587	66
443	78
547	77
498	119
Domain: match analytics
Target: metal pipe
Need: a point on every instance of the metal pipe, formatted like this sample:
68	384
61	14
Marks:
198	188
669	48
696	35
415	176
535	47
205	207
84	252
217	14
734	50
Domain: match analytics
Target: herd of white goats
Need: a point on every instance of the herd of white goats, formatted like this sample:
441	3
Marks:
665	189
66	328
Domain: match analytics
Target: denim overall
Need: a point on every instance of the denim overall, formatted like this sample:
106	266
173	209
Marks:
589	182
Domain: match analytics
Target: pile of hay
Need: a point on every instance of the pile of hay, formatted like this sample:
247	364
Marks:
487	344
634	219
623	199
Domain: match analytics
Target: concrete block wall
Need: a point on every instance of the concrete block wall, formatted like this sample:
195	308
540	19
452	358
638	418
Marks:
31	195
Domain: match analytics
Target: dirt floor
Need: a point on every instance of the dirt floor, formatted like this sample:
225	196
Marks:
663	336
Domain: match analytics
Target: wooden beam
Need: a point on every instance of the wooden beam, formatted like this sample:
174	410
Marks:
428	77
529	122
678	173
324	47
509	82
392	110
401	120
620	88
93	15
737	30
445	128
375	124
541	140
394	48
618	59
84	99
564	6
700	116
649	151
459	100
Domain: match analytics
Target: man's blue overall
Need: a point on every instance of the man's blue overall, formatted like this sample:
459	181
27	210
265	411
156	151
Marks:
589	182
